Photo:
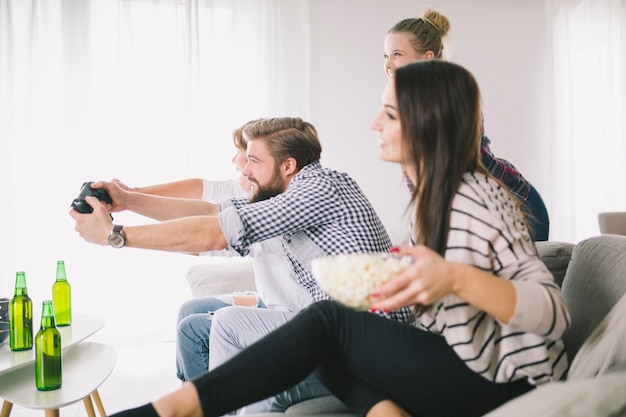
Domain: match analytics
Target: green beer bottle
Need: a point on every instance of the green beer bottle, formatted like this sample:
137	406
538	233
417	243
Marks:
20	316
62	297
48	351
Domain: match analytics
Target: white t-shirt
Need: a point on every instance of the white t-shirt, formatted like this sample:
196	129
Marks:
216	191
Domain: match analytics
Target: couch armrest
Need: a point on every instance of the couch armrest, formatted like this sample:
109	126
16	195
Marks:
221	276
593	284
602	396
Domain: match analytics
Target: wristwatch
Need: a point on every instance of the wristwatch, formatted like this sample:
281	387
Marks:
117	238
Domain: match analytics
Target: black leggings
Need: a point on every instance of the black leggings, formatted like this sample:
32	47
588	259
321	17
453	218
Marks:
363	359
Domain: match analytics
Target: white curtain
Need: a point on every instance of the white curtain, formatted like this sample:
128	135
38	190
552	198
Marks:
589	148
145	91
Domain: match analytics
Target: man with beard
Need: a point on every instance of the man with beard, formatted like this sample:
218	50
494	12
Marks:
275	289
314	212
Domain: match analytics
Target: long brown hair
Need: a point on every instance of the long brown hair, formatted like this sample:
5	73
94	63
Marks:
439	109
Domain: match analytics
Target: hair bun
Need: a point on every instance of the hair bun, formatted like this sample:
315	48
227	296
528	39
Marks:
436	20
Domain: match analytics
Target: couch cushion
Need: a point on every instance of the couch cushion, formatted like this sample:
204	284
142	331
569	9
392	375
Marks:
556	256
221	276
322	406
595	280
605	348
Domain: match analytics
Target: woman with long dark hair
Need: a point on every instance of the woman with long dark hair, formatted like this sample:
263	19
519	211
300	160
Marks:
488	314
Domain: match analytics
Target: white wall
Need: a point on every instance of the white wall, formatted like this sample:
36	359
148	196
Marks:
504	44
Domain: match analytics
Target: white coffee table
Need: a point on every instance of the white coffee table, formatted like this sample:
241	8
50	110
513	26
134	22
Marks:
83	326
86	366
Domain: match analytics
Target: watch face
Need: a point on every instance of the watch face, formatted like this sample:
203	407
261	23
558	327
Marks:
116	240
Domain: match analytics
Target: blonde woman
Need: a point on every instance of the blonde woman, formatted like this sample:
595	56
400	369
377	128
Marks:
423	38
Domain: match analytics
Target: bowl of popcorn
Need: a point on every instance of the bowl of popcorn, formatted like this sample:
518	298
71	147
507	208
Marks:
351	278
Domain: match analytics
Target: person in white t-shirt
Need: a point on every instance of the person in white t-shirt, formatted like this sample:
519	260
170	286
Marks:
275	287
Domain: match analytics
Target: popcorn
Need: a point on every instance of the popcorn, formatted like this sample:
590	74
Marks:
351	278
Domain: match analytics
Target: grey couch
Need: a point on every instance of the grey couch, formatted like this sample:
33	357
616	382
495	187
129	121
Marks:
592	275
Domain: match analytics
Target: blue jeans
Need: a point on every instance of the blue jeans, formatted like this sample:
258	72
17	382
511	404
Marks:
192	334
195	318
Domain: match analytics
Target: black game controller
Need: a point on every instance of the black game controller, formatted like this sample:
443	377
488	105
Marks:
80	205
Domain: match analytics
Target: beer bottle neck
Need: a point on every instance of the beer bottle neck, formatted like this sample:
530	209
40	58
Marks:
47	315
61	271
20	284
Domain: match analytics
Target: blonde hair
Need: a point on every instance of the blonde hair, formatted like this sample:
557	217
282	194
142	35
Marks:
428	32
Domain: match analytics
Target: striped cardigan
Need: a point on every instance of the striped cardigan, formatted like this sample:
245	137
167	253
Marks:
487	231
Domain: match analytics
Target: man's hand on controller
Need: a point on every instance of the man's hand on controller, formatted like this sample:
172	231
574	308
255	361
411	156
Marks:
118	195
93	227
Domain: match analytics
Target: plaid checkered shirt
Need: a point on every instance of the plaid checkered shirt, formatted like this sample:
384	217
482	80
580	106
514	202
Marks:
322	212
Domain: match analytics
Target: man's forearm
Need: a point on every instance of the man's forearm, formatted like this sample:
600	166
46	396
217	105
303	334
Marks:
188	188
190	235
168	208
